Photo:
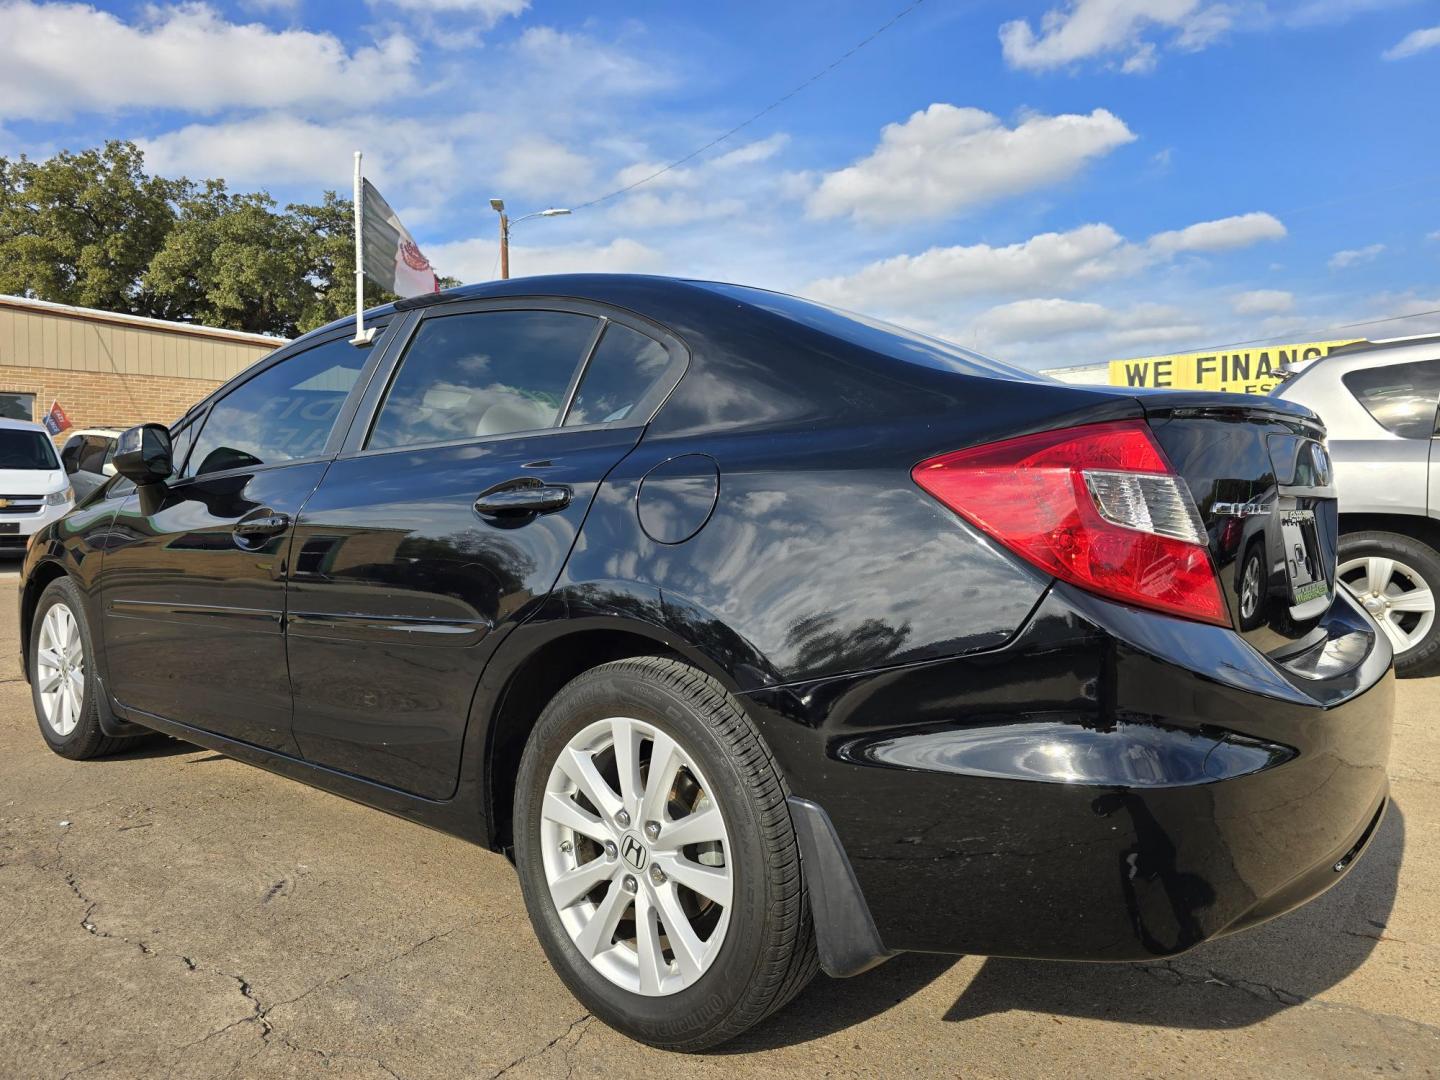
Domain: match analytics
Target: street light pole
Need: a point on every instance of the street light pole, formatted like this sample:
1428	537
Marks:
498	205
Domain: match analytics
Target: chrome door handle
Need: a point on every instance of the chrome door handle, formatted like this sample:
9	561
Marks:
526	496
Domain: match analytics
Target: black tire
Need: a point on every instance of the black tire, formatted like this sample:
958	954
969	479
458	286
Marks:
1424	658
86	740
768	953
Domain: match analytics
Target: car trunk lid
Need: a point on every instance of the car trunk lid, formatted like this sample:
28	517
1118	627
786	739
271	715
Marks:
1260	476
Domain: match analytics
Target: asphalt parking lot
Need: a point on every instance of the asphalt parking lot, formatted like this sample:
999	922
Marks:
173	913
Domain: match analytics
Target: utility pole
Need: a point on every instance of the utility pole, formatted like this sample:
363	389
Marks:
498	205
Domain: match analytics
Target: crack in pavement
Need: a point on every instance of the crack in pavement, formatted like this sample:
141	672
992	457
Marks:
259	1011
582	1023
1273	995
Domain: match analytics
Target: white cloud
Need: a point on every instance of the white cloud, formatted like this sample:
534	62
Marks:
577	63
477	259
280	148
945	158
540	166
1221	235
1089	28
1417	41
56	59
492	11
712	189
662	211
1263	302
1082	256
1050	262
1039	319
1055	332
1354	256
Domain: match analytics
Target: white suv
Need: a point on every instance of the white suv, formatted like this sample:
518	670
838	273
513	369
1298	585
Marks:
1380	402
34	490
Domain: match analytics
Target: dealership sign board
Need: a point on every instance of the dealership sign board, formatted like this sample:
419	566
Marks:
1250	370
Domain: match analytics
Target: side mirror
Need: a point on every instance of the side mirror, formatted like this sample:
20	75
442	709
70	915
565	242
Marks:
70	458
142	454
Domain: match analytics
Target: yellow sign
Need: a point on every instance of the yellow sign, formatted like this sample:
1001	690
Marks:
1250	370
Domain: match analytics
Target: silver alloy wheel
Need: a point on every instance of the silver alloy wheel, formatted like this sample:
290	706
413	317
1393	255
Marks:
60	669
1394	594
1250	589
637	857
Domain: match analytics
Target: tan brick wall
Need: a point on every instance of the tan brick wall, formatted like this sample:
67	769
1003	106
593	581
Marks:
105	399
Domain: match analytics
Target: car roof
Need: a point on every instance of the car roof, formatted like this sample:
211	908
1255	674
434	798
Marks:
675	301
22	425
108	432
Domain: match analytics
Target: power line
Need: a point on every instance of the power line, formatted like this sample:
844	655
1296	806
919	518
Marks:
763	112
1318	333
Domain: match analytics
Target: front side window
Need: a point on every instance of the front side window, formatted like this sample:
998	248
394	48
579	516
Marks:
482	373
622	371
21	449
284	413
1401	397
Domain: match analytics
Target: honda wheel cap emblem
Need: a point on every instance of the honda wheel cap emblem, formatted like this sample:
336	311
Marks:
633	851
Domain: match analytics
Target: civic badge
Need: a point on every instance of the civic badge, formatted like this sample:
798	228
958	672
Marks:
1241	509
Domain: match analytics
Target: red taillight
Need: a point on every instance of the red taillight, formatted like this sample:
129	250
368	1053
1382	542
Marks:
1097	506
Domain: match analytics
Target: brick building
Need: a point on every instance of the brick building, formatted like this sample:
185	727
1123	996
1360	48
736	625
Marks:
109	370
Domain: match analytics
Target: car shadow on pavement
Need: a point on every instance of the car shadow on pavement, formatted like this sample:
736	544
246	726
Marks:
154	746
1277	965
1274	966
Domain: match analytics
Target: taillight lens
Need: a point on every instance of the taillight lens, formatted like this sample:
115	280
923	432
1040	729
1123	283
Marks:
1097	506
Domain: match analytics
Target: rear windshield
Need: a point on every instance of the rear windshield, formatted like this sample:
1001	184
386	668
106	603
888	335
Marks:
21	449
876	335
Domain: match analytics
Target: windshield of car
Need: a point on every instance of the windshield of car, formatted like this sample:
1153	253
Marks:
21	449
878	335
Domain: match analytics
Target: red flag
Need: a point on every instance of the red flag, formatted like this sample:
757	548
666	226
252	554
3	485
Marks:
55	420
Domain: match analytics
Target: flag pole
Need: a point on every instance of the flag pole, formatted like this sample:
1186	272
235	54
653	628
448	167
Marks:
362	336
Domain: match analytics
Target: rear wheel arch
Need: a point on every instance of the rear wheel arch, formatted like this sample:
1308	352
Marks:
542	670
1416	526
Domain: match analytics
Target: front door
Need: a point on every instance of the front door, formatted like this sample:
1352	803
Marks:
193	588
446	520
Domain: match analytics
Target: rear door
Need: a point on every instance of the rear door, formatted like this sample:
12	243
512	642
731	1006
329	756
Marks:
193	588
1386	466
448	517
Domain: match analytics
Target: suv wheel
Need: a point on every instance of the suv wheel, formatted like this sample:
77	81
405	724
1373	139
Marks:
1396	579
62	676
657	857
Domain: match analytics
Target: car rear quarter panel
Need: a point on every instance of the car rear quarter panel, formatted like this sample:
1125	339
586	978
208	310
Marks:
819	557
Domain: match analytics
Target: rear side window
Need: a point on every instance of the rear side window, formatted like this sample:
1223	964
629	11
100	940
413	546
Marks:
93	453
1401	397
482	373
283	413
625	366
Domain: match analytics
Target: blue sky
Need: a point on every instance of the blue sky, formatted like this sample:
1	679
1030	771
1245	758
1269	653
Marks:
1058	182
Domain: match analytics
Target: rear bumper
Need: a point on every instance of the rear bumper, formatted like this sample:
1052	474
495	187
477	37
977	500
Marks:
1112	785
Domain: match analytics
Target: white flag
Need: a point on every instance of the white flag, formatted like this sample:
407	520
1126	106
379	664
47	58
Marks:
392	258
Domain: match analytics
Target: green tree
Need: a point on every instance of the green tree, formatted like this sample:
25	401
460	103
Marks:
82	228
232	260
94	229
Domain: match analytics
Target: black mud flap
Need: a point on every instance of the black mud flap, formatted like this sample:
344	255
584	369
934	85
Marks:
845	934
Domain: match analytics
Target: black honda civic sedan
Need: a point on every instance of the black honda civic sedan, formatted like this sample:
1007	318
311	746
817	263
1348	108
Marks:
763	637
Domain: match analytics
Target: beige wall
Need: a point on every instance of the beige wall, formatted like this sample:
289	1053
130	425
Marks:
107	372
